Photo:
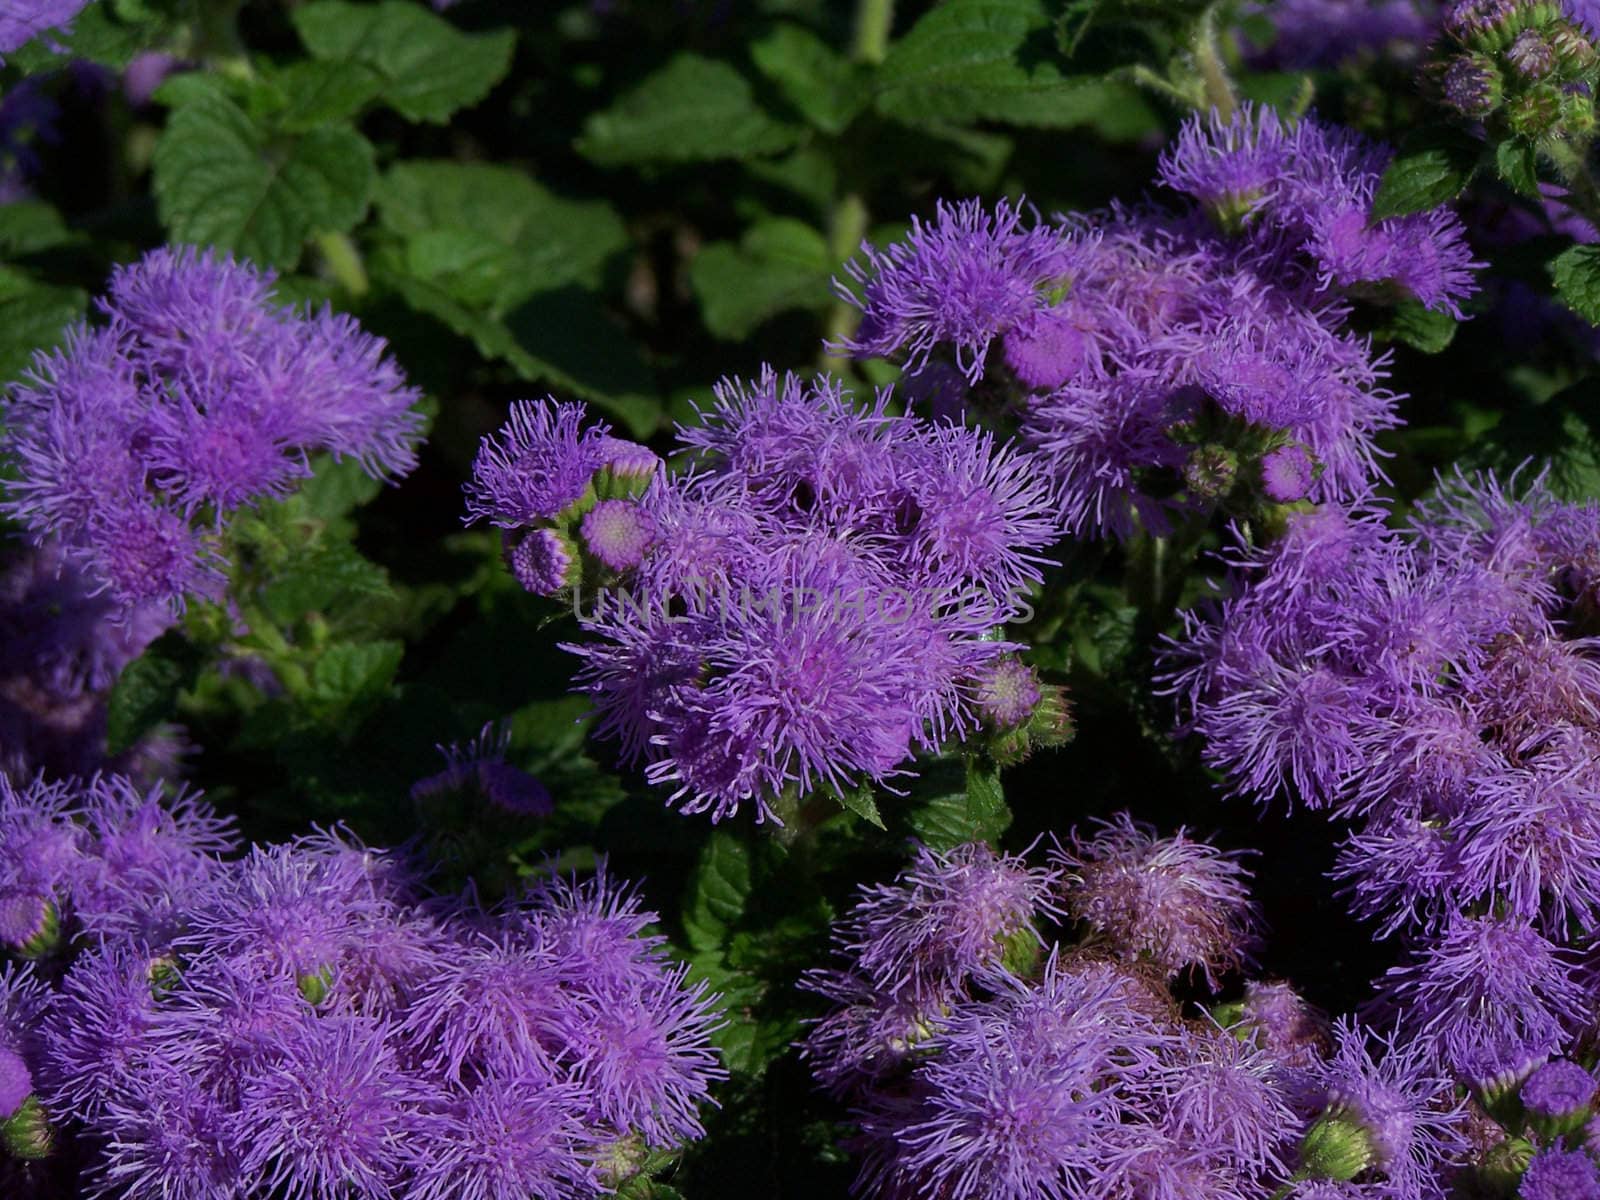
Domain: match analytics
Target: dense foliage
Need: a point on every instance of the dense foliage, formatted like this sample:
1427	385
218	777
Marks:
943	599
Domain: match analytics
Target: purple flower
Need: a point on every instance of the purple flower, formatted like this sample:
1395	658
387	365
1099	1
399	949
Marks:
1175	903
618	533
481	763
962	279
1284	1024
27	19
329	1114
1491	997
98	1028
1559	1089
201	396
1556	1174
1402	1114
1319	33
1008	693
167	1138
508	1139
1287	474
947	918
536	466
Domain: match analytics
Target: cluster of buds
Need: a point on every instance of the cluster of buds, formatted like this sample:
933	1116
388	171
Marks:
1519	66
1021	713
601	533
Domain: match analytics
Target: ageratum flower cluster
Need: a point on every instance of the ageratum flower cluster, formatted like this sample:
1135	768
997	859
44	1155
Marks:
1436	684
1155	361
300	1022
810	605
1521	68
984	1064
198	396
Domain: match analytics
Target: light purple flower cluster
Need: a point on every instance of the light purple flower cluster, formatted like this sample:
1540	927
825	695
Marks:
23	20
1437	684
981	1065
199	395
302	1022
805	609
1153	359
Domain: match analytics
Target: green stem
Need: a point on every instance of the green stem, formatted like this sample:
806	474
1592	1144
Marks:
847	226
874	20
343	260
1208	56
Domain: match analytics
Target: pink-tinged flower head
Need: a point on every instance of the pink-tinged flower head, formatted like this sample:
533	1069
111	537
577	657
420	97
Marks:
536	466
948	917
962	279
618	533
1173	902
1287	474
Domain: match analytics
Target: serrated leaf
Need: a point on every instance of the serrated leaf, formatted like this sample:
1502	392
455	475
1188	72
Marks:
429	68
1562	434
146	693
490	236
1423	179
718	891
336	487
825	87
1419	327
1577	277
354	671
33	316
864	804
779	264
101	34
1517	164
319	579
692	110
971	60
221	181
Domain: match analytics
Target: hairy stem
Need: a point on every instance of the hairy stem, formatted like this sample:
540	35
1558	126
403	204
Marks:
874	20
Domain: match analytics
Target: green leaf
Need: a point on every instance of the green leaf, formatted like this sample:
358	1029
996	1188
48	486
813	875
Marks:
692	110
33	316
319	93
1517	164
862	802
718	891
146	693
1422	328
975	60
825	87
1424	178
958	803
428	67
107	34
779	264
355	671
1563	432
1577	276
490	236
29	226
598	364
221	181
336	487
315	581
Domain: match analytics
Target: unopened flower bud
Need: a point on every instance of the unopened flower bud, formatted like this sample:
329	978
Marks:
27	1133
30	924
541	560
1211	471
1337	1146
1472	86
